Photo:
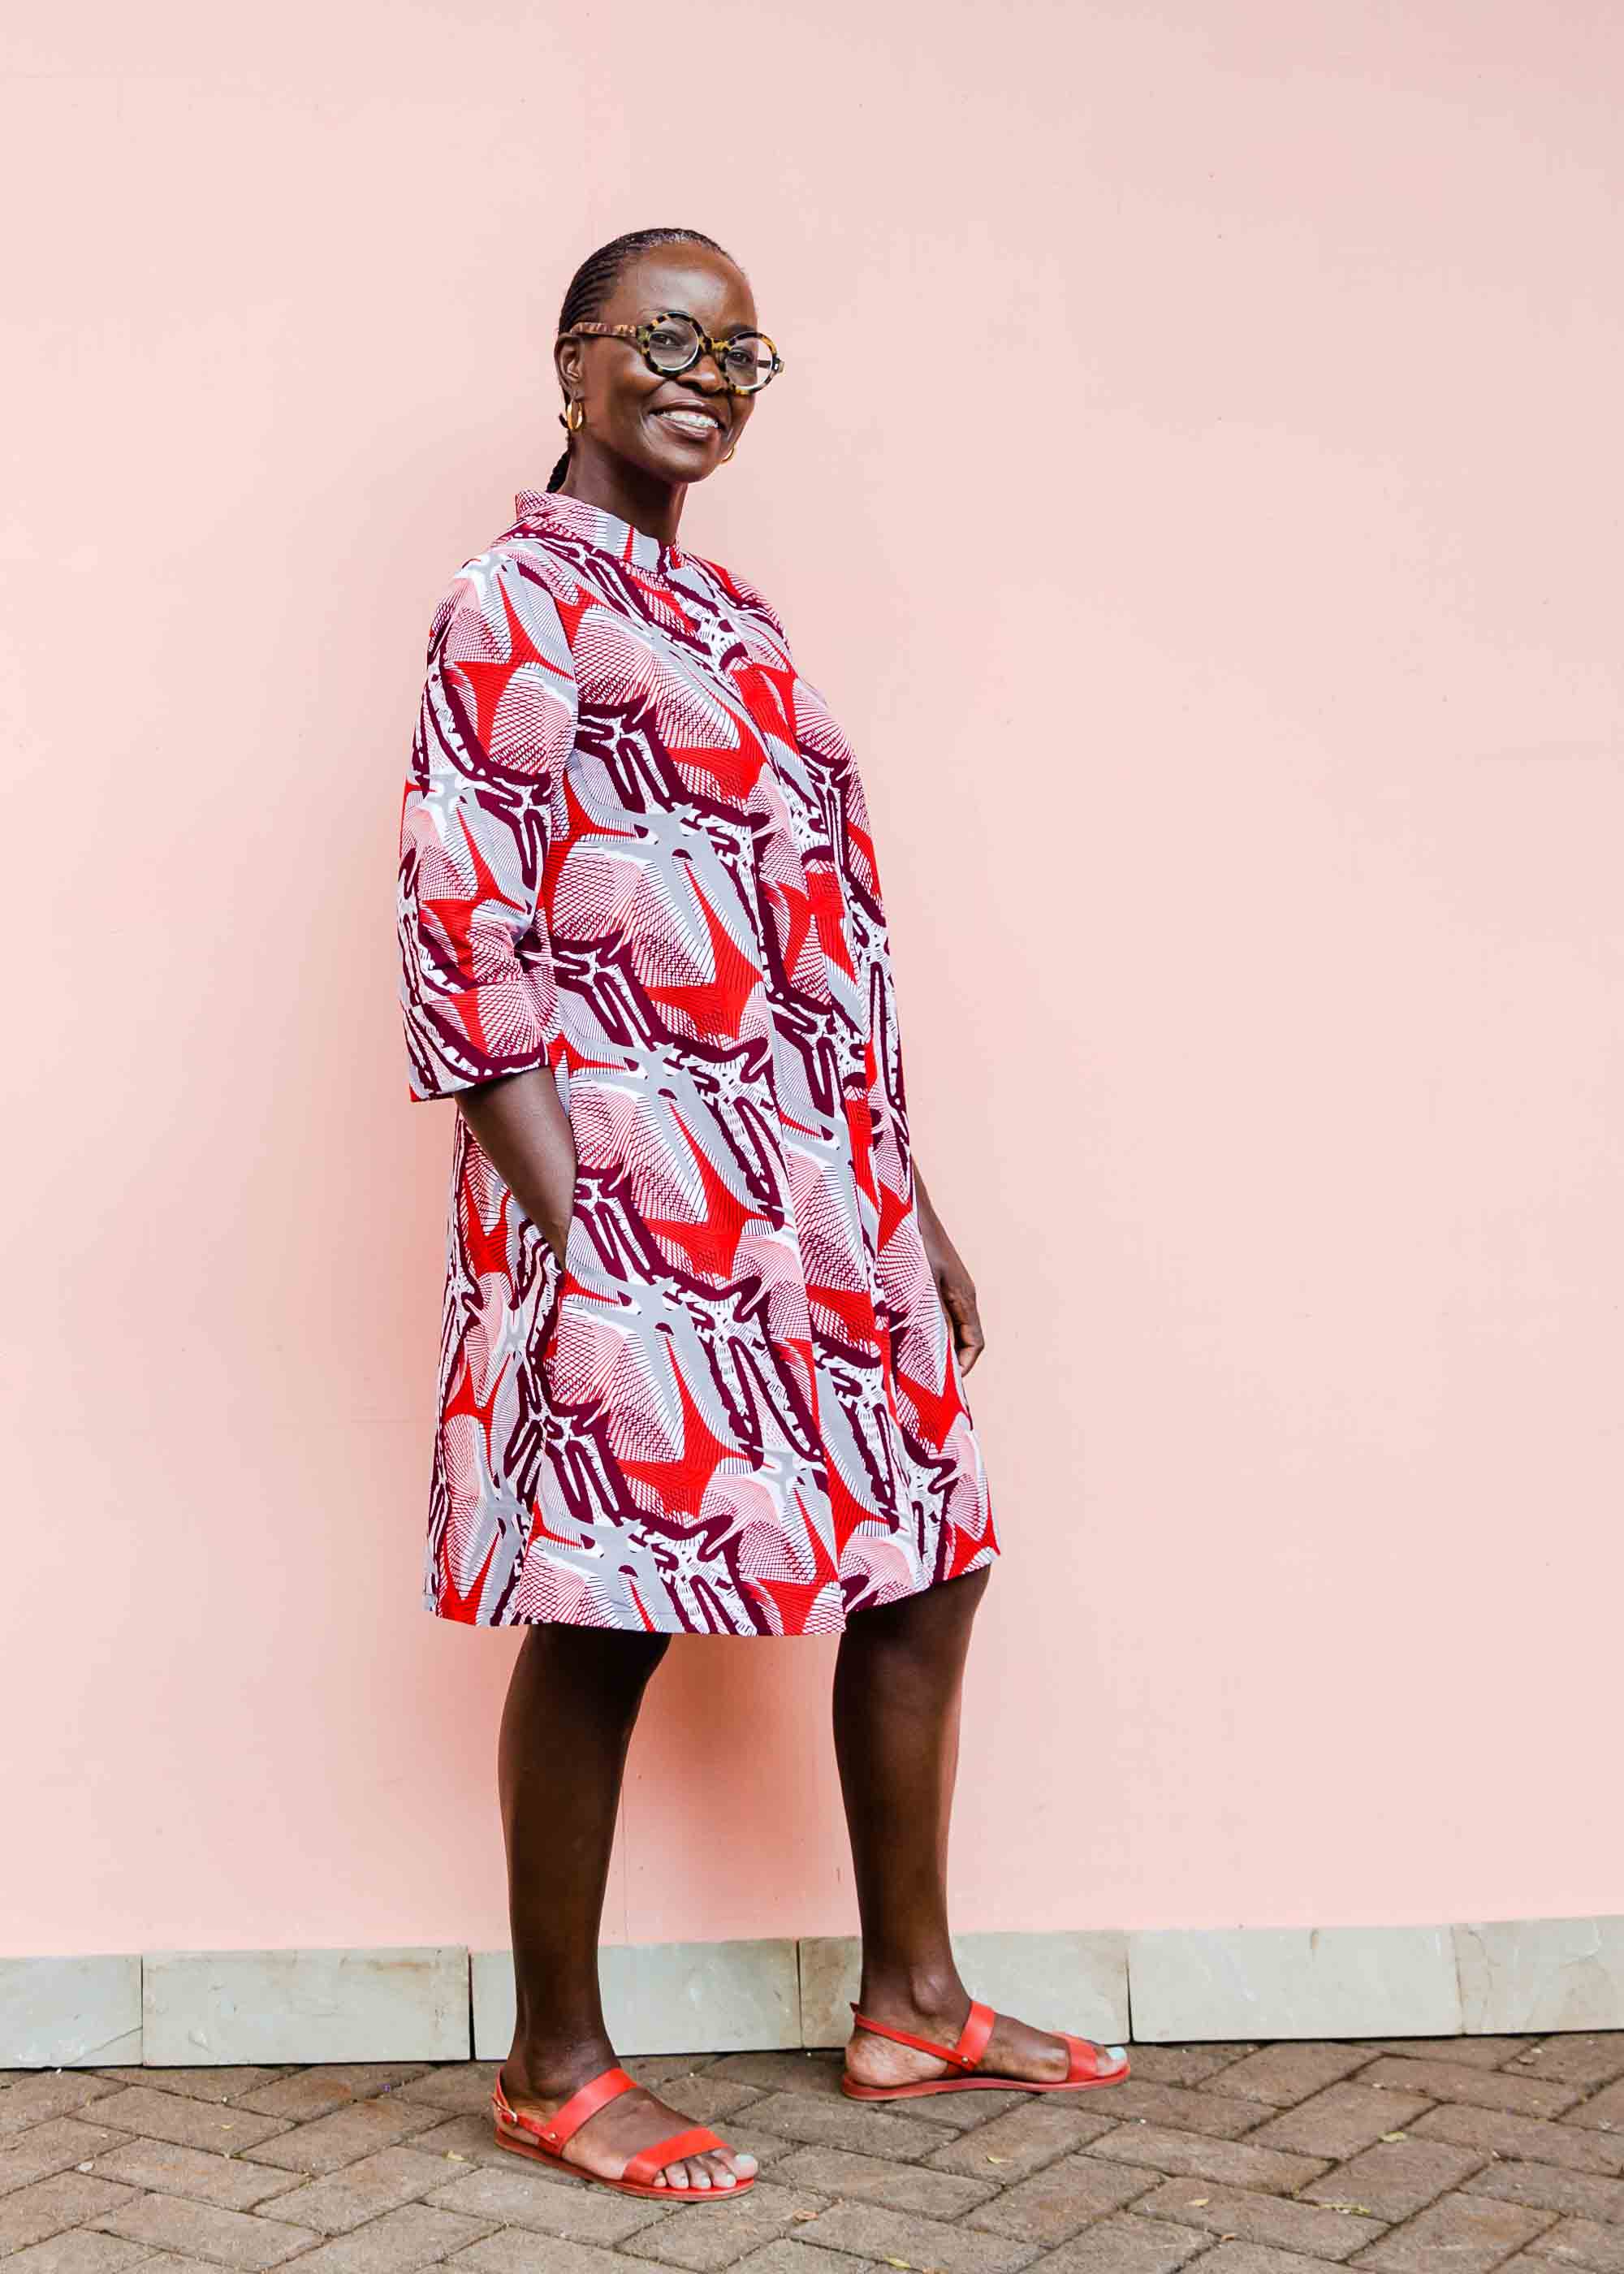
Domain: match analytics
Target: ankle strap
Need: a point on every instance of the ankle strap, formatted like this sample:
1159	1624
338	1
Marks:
965	2053
566	2120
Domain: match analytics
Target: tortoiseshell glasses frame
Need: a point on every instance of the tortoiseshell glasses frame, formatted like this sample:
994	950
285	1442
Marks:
642	337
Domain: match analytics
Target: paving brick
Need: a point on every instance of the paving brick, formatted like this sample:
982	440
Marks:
522	2195
46	2093
1254	2258
311	2092
345	2136
1579	2242
1468	2234
1528	2136
1587	2061
1464	2051
82	2251
50	2147
936	2192
820	2121
459	2087
1132	2246
551	2201
1577	2195
1394	2180
400	2240
963	2111
67	2199
868	2230
1340	2120
1281	2075
1054	2204
515	2250
167	2168
767	2147
1309	2228
1475	2087
190	2123
361	2191
1183	2064
168	2262
722	2235
227	2237
1020	2141
1605	2111
196	2084
1181	2108
658	2070
785	2256
769	2072
1232	2162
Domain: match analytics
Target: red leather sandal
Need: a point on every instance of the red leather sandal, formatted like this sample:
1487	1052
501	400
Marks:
1084	2068
545	2141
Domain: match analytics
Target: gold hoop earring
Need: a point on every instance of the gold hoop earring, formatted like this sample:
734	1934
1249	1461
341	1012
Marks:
727	453
574	402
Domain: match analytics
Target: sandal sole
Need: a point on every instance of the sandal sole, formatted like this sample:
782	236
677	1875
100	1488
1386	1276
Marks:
978	2084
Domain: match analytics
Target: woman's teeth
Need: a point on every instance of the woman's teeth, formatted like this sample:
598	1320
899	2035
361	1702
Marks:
690	422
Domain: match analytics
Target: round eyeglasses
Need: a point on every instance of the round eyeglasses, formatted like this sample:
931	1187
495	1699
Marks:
673	342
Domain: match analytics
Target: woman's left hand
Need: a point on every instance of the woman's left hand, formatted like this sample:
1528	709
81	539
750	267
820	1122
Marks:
954	1284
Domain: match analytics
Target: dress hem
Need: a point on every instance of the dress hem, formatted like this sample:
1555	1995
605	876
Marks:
983	1559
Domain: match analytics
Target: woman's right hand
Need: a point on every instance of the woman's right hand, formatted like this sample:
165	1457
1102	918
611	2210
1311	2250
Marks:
524	1132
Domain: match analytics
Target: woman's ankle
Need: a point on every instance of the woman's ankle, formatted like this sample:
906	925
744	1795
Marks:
928	1992
545	2068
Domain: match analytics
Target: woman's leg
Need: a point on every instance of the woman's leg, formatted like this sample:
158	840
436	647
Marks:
572	1705
898	1683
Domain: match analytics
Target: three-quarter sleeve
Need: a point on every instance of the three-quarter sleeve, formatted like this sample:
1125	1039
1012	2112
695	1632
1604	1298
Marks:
495	726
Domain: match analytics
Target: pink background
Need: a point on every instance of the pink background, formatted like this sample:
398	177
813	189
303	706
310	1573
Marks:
1196	484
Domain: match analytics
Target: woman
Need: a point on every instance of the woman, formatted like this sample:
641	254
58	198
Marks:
704	1336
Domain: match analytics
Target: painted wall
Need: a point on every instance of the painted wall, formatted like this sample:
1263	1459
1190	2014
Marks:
1196	482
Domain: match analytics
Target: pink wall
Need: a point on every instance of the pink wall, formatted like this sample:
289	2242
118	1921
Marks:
1227	617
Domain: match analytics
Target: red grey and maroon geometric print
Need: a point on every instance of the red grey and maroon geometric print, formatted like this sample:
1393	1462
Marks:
634	850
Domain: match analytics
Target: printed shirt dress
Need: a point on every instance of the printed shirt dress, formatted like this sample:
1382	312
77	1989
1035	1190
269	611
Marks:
635	851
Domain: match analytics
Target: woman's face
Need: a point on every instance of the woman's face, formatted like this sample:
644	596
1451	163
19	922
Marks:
627	404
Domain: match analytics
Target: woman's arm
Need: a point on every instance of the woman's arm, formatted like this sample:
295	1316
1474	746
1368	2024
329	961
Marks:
954	1284
522	1127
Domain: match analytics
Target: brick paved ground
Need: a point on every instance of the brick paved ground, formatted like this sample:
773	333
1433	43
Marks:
1408	2158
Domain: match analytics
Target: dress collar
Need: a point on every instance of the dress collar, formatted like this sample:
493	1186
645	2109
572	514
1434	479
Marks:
601	527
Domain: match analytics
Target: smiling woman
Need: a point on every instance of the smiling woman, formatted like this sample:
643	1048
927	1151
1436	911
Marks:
704	1339
684	355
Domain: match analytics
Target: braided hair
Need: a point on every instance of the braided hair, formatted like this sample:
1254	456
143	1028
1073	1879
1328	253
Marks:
596	279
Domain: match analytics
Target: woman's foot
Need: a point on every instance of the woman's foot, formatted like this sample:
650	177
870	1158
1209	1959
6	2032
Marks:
1014	2049
614	2133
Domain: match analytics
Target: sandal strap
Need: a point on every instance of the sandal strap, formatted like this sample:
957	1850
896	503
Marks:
972	2041
977	2030
566	2120
646	2161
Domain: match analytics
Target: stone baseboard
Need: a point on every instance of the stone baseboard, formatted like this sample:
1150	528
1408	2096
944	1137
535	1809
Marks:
1170	1985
